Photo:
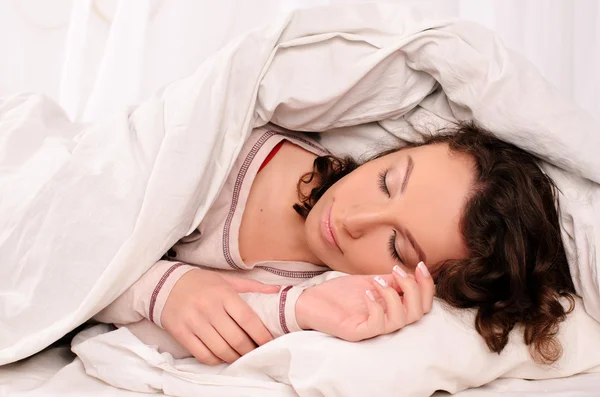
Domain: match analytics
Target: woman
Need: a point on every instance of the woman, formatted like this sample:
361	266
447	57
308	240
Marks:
479	211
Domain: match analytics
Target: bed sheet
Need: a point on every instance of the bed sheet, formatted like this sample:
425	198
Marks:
57	372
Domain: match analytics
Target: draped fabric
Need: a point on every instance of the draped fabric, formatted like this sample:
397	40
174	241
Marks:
96	57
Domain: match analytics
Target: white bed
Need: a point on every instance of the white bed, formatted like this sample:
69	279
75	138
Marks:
57	372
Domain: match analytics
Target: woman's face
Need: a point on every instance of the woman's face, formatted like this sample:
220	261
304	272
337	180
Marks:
399	209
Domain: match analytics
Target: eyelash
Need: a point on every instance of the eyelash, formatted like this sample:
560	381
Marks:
392	240
392	247
382	185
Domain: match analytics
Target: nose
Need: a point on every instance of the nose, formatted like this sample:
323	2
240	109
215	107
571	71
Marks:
359	219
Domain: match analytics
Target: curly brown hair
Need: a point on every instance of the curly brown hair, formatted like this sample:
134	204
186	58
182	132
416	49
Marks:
516	272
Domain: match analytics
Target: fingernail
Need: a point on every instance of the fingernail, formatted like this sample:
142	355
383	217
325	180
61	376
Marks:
399	271
423	268
381	281
370	295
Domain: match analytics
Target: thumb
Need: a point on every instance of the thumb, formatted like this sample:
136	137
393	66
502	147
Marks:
242	285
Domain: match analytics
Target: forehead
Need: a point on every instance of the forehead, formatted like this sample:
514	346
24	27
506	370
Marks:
436	161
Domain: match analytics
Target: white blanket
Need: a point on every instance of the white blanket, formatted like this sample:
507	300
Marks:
86	209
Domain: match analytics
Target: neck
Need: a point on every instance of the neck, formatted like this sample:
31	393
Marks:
271	229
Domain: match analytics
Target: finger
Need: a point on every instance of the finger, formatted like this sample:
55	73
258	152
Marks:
395	315
198	349
248	320
243	285
209	336
426	285
233	334
412	295
376	320
389	279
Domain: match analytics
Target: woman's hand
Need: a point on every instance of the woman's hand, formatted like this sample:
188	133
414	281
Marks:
205	314
360	307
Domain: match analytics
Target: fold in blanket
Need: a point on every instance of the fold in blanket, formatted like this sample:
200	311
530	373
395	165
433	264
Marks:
86	209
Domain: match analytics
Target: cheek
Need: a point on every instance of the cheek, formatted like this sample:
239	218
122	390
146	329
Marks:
312	232
369	255
311	229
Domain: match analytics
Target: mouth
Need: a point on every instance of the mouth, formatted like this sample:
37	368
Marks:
328	230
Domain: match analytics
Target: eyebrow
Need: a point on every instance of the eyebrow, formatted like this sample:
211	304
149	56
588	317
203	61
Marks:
409	168
406	232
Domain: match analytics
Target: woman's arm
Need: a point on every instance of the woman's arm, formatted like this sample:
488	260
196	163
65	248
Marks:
199	308
361	307
146	297
333	303
278	311
338	304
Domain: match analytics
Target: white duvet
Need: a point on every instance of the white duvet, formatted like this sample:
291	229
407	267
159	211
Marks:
86	209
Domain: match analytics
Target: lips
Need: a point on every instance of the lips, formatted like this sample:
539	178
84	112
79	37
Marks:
328	230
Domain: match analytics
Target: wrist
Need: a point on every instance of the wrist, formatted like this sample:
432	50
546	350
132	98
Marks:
302	309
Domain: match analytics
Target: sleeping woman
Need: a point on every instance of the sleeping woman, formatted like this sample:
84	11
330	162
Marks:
298	239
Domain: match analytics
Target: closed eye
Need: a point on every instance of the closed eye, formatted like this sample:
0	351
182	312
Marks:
382	182
392	246
392	241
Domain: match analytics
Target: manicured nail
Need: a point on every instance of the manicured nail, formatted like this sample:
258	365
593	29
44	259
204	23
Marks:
370	295
423	268
399	271
381	281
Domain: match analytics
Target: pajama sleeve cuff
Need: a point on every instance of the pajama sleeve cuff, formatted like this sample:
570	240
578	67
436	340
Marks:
278	311
287	309
146	297
155	301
